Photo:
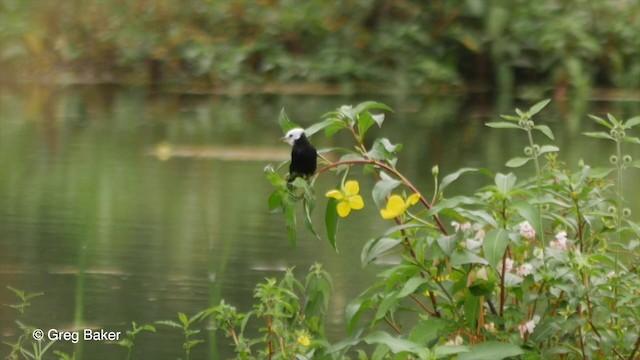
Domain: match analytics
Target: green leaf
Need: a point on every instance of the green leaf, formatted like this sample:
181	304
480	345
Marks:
494	245
275	201
613	120
429	330
318	126
169	323
491	350
502	125
374	248
598	135
631	139
386	305
447	244
471	308
331	221
599	173
545	330
183	318
365	121
538	107
308	209
548	148
632	122
383	188
285	123
369	105
601	121
505	183
466	257
396	345
445	351
454	176
353	311
517	162
545	130
411	286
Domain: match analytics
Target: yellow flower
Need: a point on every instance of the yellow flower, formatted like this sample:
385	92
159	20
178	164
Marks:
396	206
348	198
304	340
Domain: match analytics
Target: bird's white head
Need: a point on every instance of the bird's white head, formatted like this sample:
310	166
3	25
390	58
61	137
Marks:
293	135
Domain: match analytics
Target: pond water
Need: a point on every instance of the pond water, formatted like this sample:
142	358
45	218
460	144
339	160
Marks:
123	204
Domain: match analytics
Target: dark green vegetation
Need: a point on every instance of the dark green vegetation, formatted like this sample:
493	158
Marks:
235	45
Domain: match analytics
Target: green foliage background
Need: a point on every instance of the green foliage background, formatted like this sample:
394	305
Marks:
404	43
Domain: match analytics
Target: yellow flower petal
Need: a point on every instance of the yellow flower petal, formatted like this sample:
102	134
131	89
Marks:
304	340
395	207
335	194
413	199
343	208
351	187
356	202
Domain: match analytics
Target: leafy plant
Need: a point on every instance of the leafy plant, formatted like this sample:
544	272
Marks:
492	284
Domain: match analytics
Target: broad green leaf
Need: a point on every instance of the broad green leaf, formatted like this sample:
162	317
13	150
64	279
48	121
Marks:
430	330
445	351
354	310
318	126
462	257
374	248
600	121
598	135
548	148
632	122
505	183
369	105
454	176
411	286
365	121
537	107
275	201
285	123
386	305
447	244
471	308
273	177
396	345
383	188
545	330
631	139
545	130
517	162
599	173
331	221
502	125
494	245
491	350
510	118
452	203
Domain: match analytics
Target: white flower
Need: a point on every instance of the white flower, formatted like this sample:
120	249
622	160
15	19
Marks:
473	244
525	269
508	265
538	253
529	326
479	235
561	241
490	327
461	227
457	341
527	231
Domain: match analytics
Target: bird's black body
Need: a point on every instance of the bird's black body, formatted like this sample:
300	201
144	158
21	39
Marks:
303	159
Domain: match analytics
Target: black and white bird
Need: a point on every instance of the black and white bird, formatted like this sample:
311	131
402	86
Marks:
303	155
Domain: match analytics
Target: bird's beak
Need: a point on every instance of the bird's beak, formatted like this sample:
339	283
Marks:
284	138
